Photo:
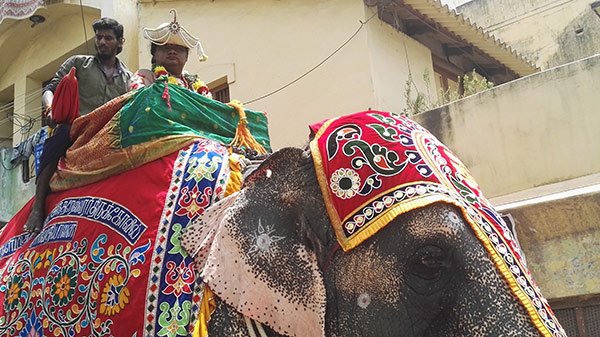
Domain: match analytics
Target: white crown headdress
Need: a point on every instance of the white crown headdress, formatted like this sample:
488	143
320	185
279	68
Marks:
174	33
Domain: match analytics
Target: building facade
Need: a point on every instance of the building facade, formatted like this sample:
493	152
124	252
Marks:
299	61
548	32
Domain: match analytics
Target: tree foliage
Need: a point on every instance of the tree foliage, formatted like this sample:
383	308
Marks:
418	101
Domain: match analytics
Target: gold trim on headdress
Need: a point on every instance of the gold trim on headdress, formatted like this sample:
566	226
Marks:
173	33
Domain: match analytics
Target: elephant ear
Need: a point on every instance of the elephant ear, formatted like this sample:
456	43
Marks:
259	261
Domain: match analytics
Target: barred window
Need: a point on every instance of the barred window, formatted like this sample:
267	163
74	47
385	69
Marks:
221	93
579	316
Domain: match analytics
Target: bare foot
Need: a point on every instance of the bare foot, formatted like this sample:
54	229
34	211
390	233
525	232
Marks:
34	221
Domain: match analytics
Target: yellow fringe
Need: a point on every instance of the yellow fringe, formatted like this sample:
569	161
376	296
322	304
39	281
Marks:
243	137
207	307
234	183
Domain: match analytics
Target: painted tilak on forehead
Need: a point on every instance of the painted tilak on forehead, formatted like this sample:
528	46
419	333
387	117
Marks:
373	166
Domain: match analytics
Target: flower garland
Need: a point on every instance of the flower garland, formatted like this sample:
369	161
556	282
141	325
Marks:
197	85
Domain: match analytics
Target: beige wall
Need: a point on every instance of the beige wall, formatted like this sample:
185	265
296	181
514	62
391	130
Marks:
393	58
548	32
32	49
263	45
126	12
530	138
530	132
31	55
561	240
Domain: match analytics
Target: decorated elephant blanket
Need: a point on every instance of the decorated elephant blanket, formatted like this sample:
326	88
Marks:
108	261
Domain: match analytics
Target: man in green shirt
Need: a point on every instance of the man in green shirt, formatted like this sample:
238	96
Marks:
100	78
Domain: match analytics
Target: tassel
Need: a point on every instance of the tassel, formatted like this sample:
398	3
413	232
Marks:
243	137
165	96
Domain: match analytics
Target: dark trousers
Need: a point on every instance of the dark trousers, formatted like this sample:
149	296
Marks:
56	146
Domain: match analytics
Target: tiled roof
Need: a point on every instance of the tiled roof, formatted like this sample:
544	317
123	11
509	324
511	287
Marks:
472	33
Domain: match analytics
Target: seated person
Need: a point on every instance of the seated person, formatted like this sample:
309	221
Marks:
101	77
166	109
169	49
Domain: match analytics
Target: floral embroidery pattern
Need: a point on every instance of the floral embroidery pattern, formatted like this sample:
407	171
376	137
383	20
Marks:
345	183
175	291
173	321
115	296
63	286
14	292
179	279
66	297
87	287
16	287
203	167
193	203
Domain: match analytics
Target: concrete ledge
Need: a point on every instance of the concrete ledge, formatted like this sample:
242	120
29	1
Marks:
551	192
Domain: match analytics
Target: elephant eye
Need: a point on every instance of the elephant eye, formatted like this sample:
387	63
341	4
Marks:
429	263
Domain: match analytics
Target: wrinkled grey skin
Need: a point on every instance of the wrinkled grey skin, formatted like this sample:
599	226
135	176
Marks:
424	274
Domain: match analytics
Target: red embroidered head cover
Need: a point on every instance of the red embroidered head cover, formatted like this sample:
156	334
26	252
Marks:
373	166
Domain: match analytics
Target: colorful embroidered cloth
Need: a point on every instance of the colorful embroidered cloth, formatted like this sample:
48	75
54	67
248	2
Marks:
108	261
142	126
373	166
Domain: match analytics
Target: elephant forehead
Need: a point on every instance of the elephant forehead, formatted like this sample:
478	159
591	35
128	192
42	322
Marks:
373	166
436	219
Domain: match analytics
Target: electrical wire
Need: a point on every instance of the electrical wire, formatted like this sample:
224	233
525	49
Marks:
25	132
29	97
316	66
36	91
87	49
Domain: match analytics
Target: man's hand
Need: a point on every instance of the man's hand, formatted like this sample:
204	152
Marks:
47	98
48	117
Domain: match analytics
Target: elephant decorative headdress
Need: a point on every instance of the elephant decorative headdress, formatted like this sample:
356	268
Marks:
373	166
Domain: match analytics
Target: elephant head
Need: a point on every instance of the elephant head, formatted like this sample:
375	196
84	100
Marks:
376	230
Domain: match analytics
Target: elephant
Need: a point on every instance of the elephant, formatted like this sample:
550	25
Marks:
282	259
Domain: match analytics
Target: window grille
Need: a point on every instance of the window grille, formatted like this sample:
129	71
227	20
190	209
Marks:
579	316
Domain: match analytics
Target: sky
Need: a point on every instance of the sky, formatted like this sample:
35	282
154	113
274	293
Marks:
454	3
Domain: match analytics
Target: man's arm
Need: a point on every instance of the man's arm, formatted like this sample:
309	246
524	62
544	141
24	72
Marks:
63	70
48	94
